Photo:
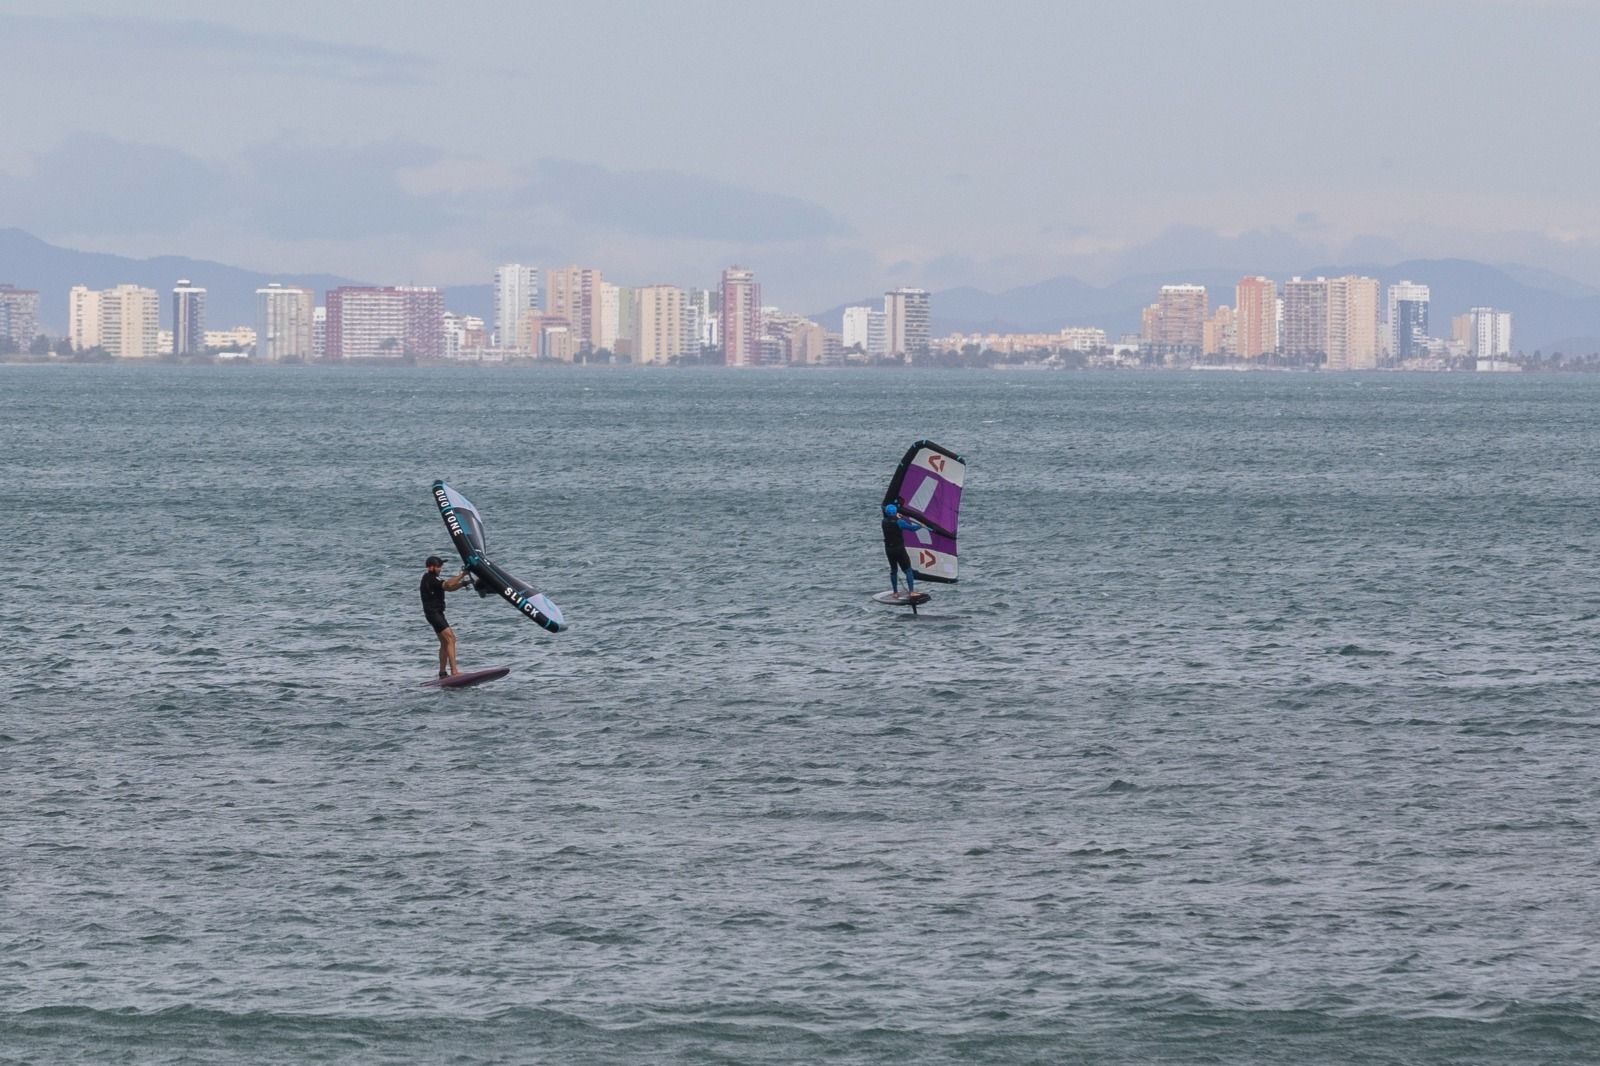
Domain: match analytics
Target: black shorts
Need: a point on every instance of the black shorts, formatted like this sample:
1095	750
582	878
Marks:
436	620
897	555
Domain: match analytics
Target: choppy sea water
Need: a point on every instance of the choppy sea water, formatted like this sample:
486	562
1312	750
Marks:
1261	728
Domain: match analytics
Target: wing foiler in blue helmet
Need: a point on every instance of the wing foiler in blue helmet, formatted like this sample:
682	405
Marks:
890	510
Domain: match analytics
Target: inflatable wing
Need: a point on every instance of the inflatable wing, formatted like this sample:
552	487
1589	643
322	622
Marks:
465	524
927	487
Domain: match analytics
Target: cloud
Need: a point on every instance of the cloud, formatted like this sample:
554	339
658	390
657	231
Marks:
164	42
91	183
659	203
338	204
291	190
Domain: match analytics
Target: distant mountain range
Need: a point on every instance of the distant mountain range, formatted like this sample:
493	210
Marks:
1551	312
30	263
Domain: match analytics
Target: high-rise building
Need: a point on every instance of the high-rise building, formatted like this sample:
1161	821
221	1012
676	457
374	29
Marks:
1352	323
699	322
1181	320
866	328
610	316
1149	323
805	344
385	322
574	293
1491	333
1304	333
1255	317
284	323
659	323
19	316
188	318
516	292
741	317
319	332
83	318
625	340
853	328
1221	333
130	322
455	331
1407	325
905	315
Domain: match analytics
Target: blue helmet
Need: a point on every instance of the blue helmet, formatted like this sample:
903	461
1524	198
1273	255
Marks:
890	509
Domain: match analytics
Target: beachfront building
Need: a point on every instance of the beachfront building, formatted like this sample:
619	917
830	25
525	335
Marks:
1255	317
865	328
699	322
1221	333
19	317
1490	334
516	292
188	318
239	338
83	318
905	314
741	317
574	293
284	323
1304	332
1178	326
125	320
390	322
1352	323
657	320
1406	327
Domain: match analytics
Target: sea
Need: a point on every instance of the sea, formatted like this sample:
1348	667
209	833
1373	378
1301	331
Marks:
1261	727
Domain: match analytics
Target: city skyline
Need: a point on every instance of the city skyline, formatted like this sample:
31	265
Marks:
1338	323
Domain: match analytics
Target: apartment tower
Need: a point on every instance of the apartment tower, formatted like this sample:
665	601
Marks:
369	322
516	292
1352	323
188	318
1406	330
905	317
1490	332
1304	333
741	317
284	323
19	316
1255	317
658	323
574	293
1179	324
125	321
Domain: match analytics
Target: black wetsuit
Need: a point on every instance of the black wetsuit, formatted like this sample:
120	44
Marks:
433	602
894	546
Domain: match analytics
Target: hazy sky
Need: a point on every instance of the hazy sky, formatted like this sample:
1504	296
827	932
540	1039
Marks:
836	148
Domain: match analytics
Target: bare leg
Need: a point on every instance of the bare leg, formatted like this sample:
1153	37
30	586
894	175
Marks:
449	636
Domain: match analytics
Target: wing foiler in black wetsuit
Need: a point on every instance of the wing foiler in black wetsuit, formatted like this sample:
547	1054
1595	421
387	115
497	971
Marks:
894	546
433	602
